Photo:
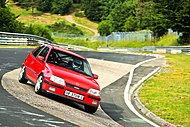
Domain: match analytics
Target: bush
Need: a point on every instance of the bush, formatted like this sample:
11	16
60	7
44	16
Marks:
38	30
61	6
62	27
104	28
81	15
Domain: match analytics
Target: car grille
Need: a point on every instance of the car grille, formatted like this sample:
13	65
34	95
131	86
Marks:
75	87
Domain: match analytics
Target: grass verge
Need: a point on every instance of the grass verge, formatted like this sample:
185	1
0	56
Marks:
84	30
129	44
167	40
167	94
86	22
80	42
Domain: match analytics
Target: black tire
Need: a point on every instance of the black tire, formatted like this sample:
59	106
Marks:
38	85
90	109
22	75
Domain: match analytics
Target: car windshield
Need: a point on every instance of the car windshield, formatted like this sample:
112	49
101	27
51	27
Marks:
70	62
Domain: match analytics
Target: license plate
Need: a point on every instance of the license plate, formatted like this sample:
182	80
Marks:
74	95
51	88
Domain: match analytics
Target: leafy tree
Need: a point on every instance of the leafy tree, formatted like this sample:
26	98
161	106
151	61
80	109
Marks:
77	1
130	24
91	9
145	10
8	22
107	6
104	28
2	3
61	6
45	5
172	14
181	21
119	15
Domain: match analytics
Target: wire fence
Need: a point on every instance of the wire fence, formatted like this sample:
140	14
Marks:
114	36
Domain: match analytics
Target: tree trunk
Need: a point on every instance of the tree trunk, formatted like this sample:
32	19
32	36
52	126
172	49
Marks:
32	11
153	37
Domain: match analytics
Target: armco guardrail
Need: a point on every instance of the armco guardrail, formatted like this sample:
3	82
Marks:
153	49
7	38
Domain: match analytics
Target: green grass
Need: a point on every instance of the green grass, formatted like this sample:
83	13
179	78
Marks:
167	40
84	30
167	94
25	16
80	42
130	44
86	22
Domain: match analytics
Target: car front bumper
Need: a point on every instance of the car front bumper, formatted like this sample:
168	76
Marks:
76	95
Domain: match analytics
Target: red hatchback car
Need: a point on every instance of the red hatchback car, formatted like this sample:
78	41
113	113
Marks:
61	72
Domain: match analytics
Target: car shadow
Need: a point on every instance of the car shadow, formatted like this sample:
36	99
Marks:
59	99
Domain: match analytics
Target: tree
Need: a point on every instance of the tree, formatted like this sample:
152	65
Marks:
145	10
61	6
119	15
104	28
107	6
45	5
181	22
27	4
92	10
8	22
130	24
2	3
76	1
173	14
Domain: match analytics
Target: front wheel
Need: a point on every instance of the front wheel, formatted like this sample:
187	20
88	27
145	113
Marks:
90	109
38	85
22	75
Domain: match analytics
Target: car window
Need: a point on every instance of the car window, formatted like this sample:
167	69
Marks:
69	61
37	51
44	52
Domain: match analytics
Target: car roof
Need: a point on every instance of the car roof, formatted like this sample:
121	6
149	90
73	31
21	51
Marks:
64	50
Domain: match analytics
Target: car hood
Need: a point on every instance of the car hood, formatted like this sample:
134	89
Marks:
74	78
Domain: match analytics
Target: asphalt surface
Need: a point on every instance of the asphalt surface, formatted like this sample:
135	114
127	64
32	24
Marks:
113	102
15	113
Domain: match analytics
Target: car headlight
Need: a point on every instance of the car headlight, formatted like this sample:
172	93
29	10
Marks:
57	80
94	92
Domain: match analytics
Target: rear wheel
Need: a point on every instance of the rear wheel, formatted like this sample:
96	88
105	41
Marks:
90	109
38	85
22	75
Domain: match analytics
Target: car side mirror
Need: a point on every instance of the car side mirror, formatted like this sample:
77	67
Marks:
40	58
95	76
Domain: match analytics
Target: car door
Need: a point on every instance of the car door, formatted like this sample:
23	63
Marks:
38	63
30	61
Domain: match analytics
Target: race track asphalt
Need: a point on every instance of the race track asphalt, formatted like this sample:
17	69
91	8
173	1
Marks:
14	112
